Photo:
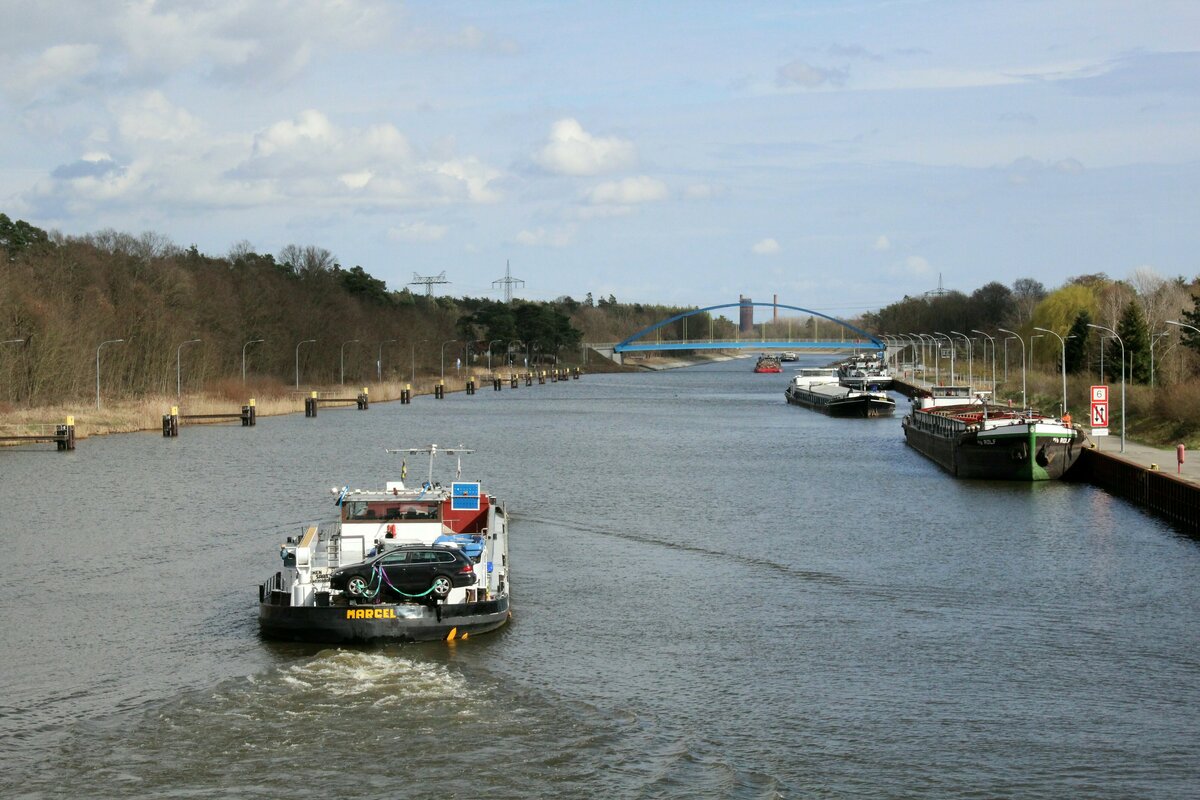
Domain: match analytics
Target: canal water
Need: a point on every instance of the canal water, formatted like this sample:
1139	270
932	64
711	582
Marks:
716	595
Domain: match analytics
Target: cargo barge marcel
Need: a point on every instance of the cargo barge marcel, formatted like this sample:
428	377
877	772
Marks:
971	439
398	564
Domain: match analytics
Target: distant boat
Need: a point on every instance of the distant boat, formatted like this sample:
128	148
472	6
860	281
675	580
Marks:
861	372
789	356
768	364
818	388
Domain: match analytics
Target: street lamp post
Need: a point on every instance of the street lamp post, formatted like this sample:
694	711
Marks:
1031	338
1017	336
414	358
342	379
950	342
993	342
910	343
379	360
1062	342
306	341
451	341
1153	340
922	358
110	341
492	342
1184	325
1007	339
178	371
1121	342
247	344
970	360
937	359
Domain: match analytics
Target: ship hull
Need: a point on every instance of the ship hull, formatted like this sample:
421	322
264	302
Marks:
398	622
989	456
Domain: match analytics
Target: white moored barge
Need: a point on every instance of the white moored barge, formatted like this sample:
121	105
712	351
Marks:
399	563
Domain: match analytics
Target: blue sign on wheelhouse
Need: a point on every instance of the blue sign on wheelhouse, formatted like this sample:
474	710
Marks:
464	496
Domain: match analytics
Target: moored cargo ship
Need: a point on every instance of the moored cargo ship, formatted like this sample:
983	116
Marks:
971	439
818	388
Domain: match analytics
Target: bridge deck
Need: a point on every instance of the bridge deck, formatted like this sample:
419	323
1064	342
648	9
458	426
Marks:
747	344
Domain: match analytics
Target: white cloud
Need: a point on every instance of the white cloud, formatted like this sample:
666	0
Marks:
917	265
150	117
1025	169
882	243
304	162
57	64
475	176
628	191
356	180
806	76
766	247
702	191
470	39
144	43
573	151
418	231
542	237
911	266
311	127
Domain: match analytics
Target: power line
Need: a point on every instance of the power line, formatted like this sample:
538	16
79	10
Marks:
429	281
508	281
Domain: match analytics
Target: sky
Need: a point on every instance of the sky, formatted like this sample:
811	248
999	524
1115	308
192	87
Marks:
839	154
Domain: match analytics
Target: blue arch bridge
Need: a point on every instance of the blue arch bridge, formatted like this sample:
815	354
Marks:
844	336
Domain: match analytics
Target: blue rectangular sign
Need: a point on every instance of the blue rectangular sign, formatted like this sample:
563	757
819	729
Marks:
464	496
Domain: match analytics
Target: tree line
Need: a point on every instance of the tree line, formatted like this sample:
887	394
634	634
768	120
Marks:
1137	310
296	313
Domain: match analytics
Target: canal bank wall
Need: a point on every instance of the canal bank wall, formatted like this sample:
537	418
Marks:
1171	497
1136	477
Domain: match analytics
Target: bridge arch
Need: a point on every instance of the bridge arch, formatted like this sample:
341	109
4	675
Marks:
627	345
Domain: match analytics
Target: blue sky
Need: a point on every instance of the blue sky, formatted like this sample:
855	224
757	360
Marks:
838	154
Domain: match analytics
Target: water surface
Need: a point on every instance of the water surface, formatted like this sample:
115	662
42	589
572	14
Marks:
716	595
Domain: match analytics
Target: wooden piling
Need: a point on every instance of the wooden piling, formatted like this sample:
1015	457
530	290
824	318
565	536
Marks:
363	402
439	391
310	405
171	423
406	394
66	435
513	381
470	386
249	414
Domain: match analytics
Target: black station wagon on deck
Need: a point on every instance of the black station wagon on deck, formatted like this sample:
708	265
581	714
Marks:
407	572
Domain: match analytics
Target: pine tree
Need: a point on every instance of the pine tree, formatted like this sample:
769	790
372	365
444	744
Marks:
1190	337
1136	335
1077	343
